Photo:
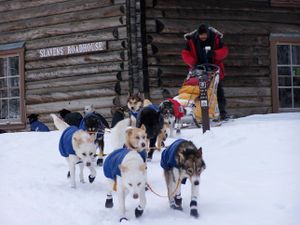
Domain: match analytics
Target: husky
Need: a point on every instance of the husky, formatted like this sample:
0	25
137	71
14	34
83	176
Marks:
78	147
182	161
135	103
125	170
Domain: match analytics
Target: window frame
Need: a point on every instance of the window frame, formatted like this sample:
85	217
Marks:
18	51
280	39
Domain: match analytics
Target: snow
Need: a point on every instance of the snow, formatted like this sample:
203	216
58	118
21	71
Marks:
252	177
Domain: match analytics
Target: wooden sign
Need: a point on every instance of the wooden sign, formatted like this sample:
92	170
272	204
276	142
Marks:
72	49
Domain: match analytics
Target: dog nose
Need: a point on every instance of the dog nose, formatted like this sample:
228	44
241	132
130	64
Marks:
196	182
143	145
132	108
135	195
88	164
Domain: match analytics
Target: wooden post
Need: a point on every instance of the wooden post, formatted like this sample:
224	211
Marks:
204	102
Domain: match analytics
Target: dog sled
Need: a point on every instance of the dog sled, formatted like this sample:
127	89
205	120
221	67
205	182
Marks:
188	95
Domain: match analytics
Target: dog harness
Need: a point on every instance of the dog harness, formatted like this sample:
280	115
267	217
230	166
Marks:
113	161
178	109
65	142
168	159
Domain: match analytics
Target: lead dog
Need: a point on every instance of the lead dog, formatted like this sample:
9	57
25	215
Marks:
78	147
125	169
182	160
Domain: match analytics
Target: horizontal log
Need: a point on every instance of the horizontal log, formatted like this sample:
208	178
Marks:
61	29
191	4
104	102
17	4
246	40
230	61
73	81
235	71
247	92
229	27
111	11
71	60
74	88
52	9
89	36
250	81
58	72
61	96
240	14
249	102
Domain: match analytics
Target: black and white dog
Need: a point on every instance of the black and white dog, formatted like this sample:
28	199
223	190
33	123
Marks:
95	123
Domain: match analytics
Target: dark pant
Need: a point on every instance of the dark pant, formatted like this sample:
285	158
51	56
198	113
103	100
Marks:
221	99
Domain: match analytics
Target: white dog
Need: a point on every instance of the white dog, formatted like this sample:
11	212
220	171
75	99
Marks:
78	147
118	137
125	169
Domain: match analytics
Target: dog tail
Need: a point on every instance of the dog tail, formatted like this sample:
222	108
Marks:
59	124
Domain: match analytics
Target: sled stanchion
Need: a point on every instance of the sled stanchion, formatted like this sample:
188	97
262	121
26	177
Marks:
204	102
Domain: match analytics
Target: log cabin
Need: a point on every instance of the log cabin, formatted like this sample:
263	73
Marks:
57	54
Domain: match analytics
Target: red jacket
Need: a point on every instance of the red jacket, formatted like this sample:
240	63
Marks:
194	50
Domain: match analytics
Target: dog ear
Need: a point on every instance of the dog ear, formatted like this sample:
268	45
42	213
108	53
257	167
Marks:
123	168
77	140
180	158
129	131
143	127
199	152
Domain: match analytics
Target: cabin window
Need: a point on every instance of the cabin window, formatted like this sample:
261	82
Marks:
12	112
286	66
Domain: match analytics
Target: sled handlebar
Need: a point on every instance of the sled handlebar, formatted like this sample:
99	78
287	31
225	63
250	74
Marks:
205	69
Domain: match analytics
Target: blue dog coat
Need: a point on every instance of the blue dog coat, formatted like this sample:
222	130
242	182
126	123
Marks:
168	160
113	161
38	126
65	142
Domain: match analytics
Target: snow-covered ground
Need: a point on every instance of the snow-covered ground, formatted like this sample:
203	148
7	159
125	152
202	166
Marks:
252	178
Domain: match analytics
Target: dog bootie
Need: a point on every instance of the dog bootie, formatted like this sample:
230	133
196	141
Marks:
194	210
91	178
178	200
138	211
173	205
100	162
109	203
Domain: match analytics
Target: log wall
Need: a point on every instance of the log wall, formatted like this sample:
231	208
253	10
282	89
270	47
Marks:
71	81
246	26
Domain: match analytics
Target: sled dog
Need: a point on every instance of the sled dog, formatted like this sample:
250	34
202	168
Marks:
182	160
125	170
78	147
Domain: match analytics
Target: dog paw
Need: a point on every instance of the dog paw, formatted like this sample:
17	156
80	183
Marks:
68	175
91	178
109	203
138	212
194	213
123	219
